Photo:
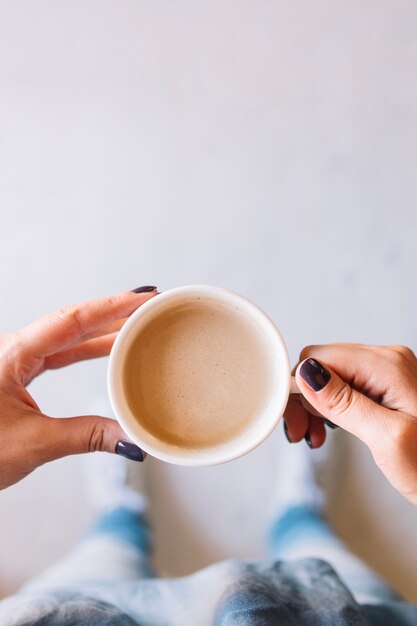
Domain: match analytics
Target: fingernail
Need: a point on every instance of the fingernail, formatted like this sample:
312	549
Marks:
145	289
330	424
130	451
286	432
314	374
308	440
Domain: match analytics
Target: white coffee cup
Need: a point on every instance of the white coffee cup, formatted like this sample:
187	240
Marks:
261	426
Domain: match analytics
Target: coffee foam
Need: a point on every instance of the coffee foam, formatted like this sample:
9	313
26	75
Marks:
198	374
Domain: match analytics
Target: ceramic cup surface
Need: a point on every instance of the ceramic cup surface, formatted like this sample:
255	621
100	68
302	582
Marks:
261	425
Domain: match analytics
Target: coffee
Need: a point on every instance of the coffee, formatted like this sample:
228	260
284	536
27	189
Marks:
198	374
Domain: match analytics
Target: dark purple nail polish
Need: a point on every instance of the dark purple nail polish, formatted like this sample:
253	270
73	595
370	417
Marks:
314	374
286	432
330	424
308	440
130	451
145	289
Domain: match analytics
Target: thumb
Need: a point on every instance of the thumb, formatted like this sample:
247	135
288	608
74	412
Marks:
88	433
336	400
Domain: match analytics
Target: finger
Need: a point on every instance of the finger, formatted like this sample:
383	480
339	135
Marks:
87	433
300	398
363	367
309	408
59	330
337	401
316	434
107	329
94	345
296	419
90	349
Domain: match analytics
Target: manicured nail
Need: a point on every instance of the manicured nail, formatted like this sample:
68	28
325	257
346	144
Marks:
145	289
314	374
330	424
286	432
130	451
308	440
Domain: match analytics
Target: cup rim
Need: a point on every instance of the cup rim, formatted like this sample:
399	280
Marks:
221	453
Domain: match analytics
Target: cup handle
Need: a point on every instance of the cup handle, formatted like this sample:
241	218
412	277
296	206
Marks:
293	386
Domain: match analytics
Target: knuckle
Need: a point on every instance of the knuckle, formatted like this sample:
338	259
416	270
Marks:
96	439
12	341
63	311
110	303
113	301
340	400
405	351
307	351
12	347
73	313
399	356
402	437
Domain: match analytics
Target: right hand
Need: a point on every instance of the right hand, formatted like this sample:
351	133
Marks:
370	391
74	333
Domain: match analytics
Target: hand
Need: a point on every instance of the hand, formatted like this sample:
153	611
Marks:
77	332
369	391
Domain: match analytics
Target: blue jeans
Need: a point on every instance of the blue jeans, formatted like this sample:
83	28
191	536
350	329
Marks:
310	579
302	533
119	548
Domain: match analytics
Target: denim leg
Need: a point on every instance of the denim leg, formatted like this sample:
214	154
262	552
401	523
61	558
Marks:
301	532
116	549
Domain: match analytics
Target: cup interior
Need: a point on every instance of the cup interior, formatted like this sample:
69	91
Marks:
260	426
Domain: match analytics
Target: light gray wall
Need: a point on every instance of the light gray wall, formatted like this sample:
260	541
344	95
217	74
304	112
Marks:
269	147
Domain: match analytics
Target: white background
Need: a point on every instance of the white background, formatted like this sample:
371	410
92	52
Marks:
268	147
